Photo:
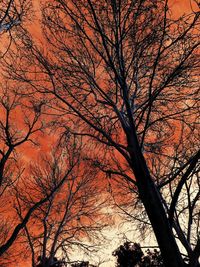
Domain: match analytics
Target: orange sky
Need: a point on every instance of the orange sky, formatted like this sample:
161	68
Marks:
178	8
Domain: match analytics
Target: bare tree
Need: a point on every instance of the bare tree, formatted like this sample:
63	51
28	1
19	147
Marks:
13	132
72	216
127	73
20	122
31	203
12	13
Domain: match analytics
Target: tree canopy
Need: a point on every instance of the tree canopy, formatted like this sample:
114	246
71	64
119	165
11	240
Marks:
123	76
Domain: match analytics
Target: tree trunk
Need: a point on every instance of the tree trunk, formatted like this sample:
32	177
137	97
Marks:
152	202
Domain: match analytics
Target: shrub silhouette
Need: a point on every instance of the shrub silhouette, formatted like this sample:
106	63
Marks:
45	263
131	255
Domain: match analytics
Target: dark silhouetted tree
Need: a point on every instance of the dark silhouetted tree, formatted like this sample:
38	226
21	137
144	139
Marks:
124	75
71	218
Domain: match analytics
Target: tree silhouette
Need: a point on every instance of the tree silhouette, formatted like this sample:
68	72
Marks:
72	216
54	262
81	264
130	255
12	15
123	75
13	136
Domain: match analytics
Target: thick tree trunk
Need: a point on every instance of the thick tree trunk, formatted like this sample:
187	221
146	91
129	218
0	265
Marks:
152	202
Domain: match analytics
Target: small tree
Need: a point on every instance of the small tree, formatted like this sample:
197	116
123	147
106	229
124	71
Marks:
71	218
19	124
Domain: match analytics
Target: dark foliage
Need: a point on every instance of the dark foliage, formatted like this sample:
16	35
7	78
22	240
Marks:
46	263
82	264
130	255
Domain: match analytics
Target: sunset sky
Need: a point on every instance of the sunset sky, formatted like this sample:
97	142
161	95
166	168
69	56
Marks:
117	231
